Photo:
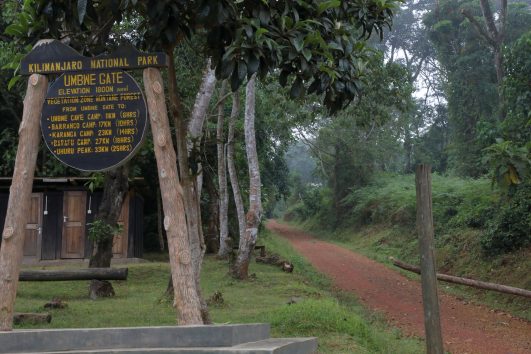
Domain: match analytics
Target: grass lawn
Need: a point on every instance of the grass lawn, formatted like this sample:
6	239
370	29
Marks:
341	325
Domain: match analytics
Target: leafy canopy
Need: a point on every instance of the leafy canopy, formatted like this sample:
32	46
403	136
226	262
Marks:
318	46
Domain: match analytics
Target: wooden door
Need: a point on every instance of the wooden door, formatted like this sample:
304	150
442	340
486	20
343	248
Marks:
119	245
73	241
33	234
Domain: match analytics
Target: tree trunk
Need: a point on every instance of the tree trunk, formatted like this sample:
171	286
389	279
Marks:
202	101
495	37
187	178
408	147
160	216
198	117
19	198
467	281
337	188
238	201
74	274
115	190
212	239
224	243
183	273
248	241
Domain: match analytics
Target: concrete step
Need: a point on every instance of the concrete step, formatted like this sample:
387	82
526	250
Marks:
267	346
60	340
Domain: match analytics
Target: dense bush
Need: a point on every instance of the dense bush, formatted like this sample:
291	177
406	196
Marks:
457	204
510	227
310	202
391	199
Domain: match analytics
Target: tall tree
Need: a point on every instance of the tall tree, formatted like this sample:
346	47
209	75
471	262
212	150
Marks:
224	242
494	36
241	266
233	174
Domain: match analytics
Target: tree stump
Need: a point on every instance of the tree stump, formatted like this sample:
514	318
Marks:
287	267
100	288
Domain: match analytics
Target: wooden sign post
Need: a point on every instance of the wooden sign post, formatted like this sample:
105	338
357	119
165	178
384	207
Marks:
19	198
430	301
94	119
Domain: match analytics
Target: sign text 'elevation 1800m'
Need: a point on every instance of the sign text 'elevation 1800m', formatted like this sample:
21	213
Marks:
94	120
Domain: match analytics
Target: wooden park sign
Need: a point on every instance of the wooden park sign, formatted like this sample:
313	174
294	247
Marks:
93	117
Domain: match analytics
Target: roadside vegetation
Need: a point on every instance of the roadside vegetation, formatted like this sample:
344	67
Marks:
478	233
341	325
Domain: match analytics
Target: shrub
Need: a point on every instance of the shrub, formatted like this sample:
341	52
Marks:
510	227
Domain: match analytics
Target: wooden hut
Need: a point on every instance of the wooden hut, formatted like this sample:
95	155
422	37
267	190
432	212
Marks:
59	217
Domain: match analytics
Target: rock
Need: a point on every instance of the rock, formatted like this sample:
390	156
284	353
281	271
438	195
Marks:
216	299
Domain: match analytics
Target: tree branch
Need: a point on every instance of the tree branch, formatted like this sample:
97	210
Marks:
489	19
503	20
479	28
419	69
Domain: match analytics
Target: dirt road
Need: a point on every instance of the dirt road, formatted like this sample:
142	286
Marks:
467	328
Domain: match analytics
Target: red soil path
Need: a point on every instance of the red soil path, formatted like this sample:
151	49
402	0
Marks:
467	328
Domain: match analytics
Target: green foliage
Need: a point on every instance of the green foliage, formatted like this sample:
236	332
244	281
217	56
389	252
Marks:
458	204
8	146
510	164
391	199
96	181
100	231
517	91
323	317
510	157
24	22
471	86
311	42
364	138
311	202
509	229
431	147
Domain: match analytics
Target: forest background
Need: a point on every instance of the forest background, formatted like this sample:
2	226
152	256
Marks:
448	85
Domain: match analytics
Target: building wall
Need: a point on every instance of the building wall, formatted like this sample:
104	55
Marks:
51	242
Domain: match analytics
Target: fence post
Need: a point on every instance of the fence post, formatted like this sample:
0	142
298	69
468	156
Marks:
430	301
